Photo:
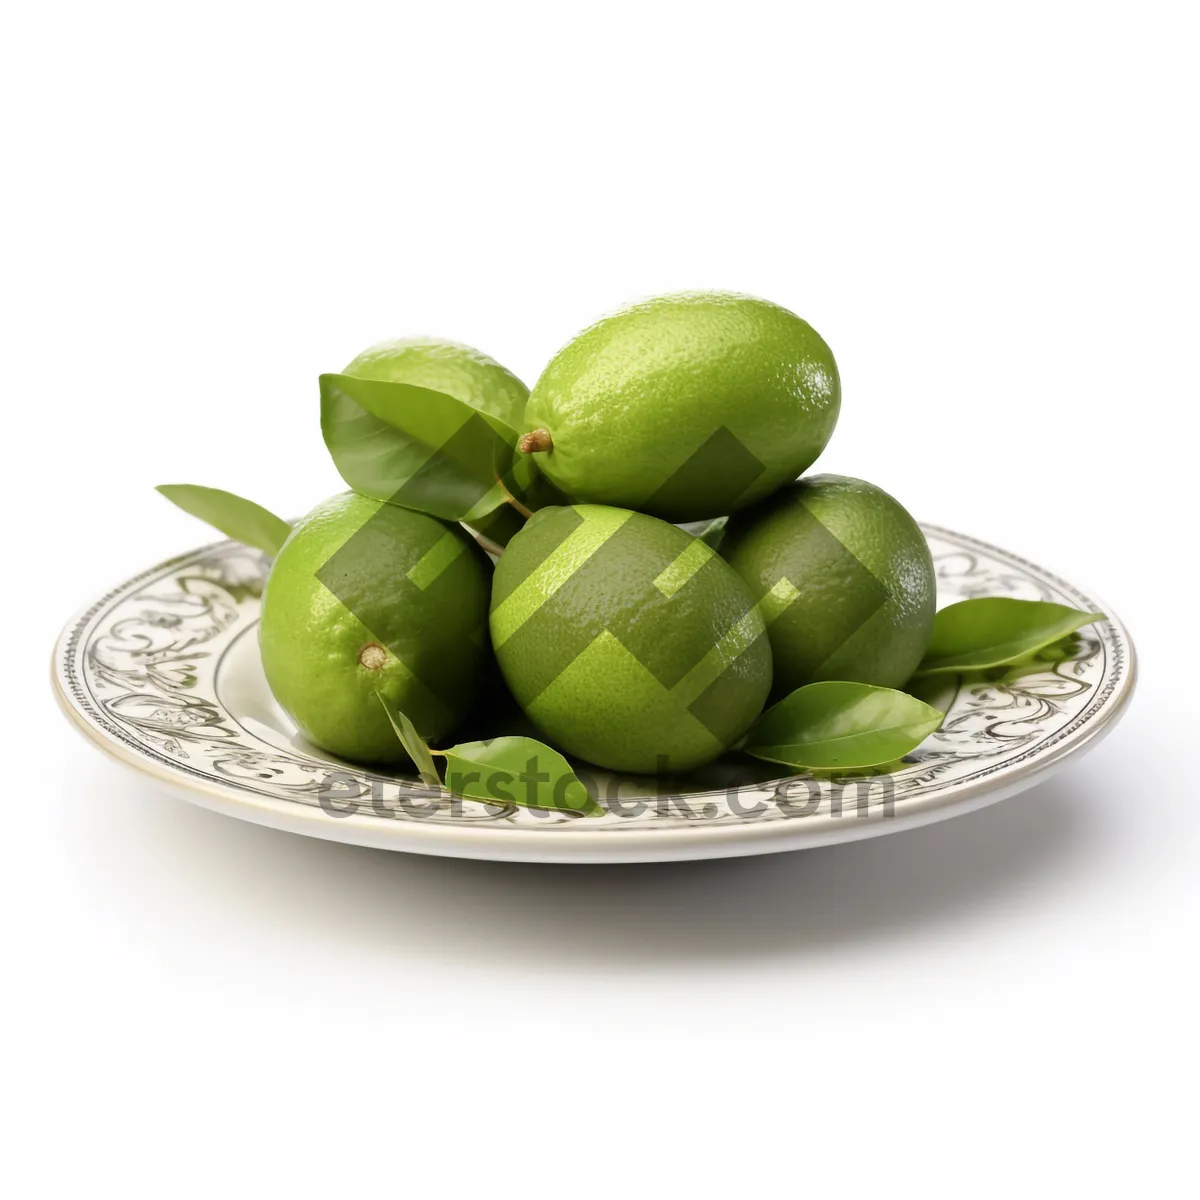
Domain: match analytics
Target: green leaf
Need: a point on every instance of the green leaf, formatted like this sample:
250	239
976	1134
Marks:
235	516
419	448
517	770
887	768
996	631
709	532
413	743
938	691
500	526
1064	650
835	726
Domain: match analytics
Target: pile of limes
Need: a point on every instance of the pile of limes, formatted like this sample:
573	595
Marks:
676	575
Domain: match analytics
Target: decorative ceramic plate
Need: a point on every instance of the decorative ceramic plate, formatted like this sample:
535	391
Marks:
163	674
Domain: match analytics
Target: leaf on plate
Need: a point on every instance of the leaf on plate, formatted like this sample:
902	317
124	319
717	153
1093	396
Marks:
420	449
413	743
837	726
235	516
517	770
887	768
938	691
1064	650
996	631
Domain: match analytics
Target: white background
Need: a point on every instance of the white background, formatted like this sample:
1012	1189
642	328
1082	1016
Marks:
991	215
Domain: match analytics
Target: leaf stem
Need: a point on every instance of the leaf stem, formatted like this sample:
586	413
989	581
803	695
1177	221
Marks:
525	512
492	548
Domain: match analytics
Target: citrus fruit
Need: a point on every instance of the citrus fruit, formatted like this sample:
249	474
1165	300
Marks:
471	377
366	600
627	641
686	406
844	578
458	370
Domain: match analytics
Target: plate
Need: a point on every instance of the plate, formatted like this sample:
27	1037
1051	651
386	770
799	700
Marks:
162	673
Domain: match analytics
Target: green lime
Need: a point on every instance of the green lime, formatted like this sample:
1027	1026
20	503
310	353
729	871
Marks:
367	600
627	641
686	406
471	377
844	579
451	367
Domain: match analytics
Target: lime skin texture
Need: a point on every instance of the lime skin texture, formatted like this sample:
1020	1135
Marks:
845	580
627	642
686	406
459	370
366	600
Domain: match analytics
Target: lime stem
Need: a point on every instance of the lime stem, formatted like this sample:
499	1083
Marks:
373	656
536	441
